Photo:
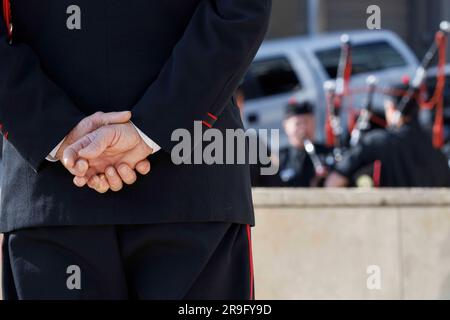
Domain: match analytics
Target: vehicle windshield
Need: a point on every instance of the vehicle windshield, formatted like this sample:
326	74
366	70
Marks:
268	77
366	58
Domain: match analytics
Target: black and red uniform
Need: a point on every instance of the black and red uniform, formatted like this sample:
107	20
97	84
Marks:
176	231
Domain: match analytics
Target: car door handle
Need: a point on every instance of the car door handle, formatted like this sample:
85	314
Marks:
252	118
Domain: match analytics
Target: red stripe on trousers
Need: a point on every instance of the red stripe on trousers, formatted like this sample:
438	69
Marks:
250	253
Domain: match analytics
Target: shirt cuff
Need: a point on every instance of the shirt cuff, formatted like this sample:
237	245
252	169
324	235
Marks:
52	155
152	144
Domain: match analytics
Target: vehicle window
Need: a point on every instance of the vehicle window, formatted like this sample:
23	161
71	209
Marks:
366	58
269	77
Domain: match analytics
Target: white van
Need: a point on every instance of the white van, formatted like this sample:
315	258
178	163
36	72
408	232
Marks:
299	66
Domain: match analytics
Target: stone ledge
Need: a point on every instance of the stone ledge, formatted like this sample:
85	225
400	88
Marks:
304	198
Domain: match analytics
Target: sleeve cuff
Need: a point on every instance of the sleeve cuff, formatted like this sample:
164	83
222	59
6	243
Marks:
152	144
52	155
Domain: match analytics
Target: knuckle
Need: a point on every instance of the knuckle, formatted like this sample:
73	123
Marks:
84	124
96	117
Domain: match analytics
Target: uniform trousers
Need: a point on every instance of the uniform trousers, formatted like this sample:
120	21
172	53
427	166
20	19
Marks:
169	261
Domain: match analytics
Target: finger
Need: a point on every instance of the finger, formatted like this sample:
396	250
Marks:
80	181
94	182
70	155
127	174
100	140
143	167
89	174
114	180
81	167
99	183
104	185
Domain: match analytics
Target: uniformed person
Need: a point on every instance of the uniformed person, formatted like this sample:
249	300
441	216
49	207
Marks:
402	155
179	232
299	163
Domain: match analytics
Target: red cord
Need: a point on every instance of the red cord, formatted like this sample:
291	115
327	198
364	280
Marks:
351	113
438	127
437	100
329	136
377	174
7	17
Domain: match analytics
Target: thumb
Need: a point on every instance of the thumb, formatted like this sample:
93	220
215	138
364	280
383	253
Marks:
103	119
100	140
95	121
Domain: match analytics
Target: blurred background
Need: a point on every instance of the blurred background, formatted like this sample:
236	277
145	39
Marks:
304	52
353	111
415	21
337	102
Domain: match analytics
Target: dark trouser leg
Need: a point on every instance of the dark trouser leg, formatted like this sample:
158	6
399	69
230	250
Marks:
8	288
229	272
188	261
38	264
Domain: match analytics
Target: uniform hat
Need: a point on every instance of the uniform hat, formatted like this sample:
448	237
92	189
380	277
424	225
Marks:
295	108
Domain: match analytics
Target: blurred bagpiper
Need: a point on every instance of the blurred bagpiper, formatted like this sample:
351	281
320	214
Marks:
403	154
304	163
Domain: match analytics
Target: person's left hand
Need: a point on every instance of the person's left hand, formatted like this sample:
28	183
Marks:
112	152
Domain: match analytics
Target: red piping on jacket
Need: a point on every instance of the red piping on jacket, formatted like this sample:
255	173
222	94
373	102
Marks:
7	17
212	116
207	124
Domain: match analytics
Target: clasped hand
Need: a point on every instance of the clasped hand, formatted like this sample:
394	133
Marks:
104	151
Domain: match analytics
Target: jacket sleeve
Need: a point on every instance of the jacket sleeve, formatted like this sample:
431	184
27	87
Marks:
34	113
205	68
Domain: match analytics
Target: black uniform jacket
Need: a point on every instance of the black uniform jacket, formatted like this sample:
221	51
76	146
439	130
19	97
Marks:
407	157
170	62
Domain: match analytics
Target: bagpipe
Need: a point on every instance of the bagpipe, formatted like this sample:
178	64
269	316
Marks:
335	95
338	97
321	170
436	102
366	114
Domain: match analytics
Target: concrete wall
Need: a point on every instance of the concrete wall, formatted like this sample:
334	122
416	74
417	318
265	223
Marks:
318	244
